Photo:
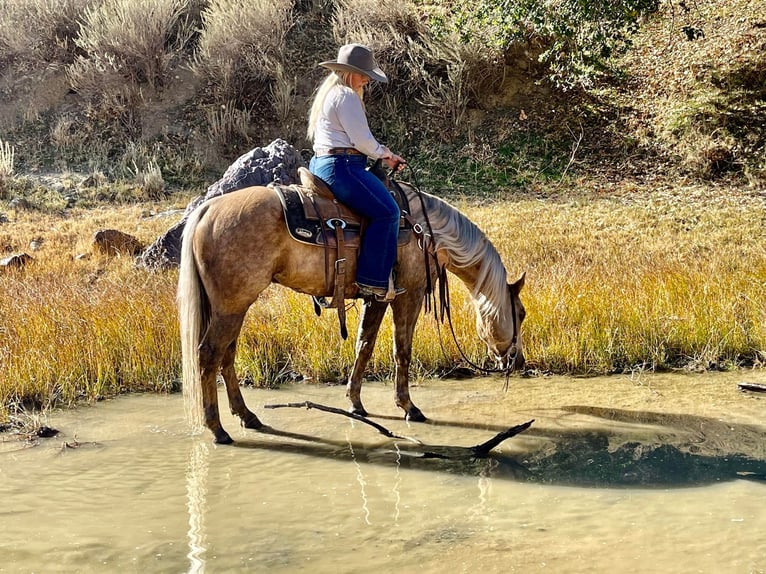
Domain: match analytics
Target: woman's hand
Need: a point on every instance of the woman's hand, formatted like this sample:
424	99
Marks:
394	162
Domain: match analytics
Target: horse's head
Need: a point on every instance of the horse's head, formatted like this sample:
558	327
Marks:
502	331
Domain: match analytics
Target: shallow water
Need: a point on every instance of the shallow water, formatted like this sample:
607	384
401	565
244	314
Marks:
647	474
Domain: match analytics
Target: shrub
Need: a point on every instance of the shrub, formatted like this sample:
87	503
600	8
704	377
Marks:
452	77
388	28
34	33
578	37
127	43
239	48
437	71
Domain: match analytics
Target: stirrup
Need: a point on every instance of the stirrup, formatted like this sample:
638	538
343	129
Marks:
381	294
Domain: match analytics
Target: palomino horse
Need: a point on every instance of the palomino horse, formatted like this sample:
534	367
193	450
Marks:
237	244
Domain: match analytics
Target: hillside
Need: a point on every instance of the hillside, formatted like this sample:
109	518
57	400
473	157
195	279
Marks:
685	103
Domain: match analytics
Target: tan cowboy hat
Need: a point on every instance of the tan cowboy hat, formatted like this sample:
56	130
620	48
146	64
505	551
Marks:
359	59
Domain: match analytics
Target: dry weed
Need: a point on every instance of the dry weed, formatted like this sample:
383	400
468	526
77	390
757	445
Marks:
238	46
133	38
227	125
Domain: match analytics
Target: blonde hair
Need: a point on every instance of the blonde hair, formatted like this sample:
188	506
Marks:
336	78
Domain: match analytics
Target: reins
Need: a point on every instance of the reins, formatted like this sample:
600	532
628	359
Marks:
444	309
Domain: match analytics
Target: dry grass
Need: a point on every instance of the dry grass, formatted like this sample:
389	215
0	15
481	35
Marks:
675	279
7	155
77	325
640	279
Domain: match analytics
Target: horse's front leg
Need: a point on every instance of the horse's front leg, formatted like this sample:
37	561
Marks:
372	316
406	310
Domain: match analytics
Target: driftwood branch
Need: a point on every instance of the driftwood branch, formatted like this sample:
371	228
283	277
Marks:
753	387
310	405
482	450
477	451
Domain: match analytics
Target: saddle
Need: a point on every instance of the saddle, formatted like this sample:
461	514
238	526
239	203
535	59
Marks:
315	217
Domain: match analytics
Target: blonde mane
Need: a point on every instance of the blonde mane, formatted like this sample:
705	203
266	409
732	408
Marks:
467	246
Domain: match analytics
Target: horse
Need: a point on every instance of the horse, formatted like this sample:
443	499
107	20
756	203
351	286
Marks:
235	245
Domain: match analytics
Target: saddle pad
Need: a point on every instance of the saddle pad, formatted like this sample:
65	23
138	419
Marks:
306	216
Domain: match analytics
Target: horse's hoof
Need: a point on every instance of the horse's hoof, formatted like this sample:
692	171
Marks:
252	422
359	412
415	416
222	437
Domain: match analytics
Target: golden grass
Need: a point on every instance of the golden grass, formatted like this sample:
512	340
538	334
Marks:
655	278
670	279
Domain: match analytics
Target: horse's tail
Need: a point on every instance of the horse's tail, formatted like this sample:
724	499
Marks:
193	318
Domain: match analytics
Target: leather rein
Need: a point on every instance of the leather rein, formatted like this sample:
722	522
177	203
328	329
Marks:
427	245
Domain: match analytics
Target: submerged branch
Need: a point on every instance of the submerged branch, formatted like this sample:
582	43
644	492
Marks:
752	387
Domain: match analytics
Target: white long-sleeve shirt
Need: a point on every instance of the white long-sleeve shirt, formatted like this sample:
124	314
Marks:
343	123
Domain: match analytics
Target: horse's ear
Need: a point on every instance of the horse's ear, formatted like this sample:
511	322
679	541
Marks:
516	287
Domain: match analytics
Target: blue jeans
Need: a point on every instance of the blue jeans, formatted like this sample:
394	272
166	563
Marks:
363	192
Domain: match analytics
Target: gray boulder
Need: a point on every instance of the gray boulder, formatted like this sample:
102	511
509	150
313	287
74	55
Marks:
278	162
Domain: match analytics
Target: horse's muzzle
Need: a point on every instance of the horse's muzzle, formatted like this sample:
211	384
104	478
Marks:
513	360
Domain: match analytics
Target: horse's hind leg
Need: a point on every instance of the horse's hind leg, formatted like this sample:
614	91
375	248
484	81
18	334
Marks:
221	334
372	316
236	401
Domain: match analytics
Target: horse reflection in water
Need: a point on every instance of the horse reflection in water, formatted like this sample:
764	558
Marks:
236	245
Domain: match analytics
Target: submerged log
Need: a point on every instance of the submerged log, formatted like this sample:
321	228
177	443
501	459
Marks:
424	450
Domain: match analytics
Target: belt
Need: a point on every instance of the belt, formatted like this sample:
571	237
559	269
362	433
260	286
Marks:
338	151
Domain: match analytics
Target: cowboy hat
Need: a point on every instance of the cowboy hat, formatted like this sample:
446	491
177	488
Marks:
359	59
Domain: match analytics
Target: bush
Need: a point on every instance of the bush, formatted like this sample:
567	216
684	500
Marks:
439	72
34	33
127	43
578	37
240	48
388	28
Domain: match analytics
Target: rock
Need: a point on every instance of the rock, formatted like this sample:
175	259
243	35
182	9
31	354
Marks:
114	242
278	162
17	261
4	218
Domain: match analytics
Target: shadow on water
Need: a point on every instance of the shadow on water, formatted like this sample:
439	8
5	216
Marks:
577	446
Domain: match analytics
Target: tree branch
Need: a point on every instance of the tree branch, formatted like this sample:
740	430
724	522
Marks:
477	451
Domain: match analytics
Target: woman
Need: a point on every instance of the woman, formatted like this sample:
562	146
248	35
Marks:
342	143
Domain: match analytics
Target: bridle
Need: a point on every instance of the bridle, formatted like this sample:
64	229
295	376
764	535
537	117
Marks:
445	310
427	245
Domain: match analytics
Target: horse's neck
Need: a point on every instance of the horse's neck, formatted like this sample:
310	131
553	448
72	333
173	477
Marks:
468	253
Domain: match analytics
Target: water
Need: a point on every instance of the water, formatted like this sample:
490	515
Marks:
645	474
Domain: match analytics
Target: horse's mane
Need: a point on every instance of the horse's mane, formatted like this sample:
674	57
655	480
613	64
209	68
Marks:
467	246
